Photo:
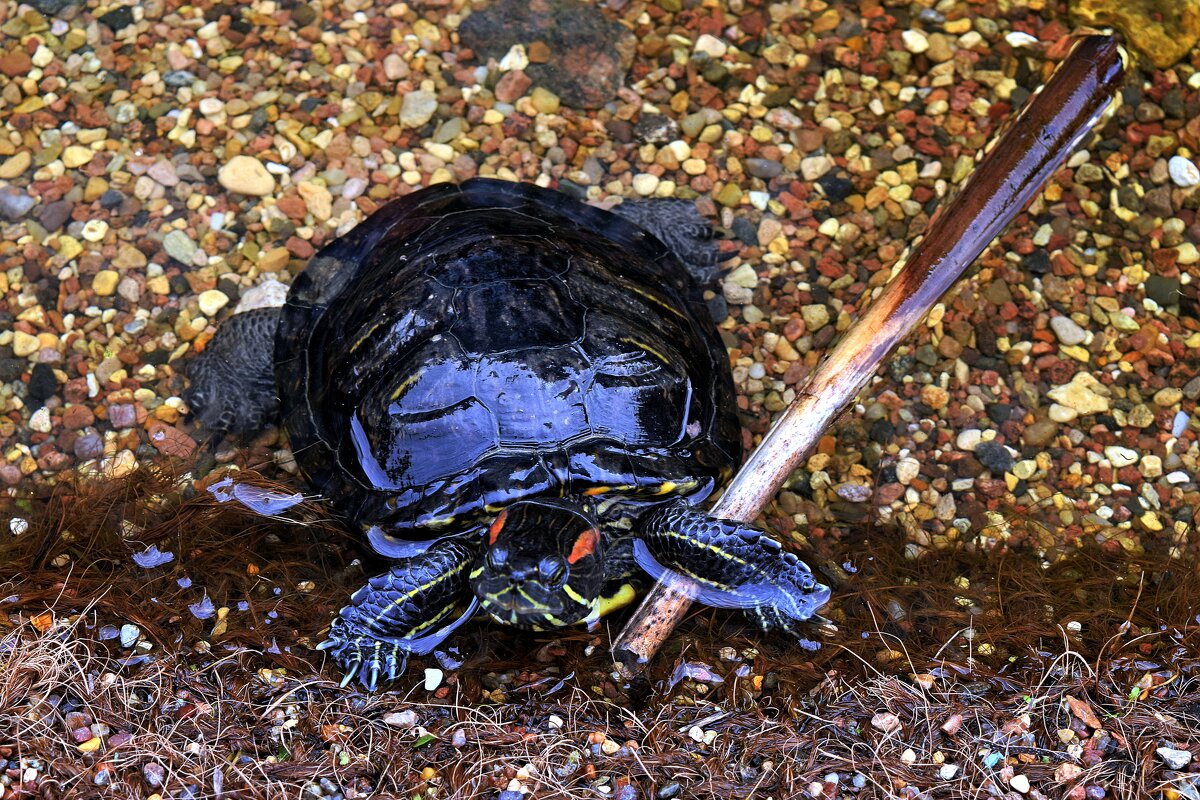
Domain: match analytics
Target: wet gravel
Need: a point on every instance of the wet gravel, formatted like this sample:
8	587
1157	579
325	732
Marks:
162	165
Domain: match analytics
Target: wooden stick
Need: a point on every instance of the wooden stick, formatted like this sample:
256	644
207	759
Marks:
1028	151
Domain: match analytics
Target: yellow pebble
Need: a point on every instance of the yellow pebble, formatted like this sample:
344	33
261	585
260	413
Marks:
77	156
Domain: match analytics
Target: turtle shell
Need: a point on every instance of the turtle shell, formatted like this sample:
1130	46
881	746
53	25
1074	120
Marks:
469	346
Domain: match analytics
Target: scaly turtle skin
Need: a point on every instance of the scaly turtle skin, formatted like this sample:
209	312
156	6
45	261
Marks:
517	397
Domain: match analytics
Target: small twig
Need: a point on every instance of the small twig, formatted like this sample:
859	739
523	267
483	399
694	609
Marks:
1030	149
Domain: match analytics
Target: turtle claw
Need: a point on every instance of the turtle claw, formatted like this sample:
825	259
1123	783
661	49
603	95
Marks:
349	676
364	657
373	680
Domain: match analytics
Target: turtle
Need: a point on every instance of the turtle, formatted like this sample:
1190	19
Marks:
521	401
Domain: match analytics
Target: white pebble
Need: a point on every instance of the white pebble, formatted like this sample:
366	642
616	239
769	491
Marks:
1020	783
1018	39
645	183
814	167
211	301
948	771
1060	413
130	634
711	45
433	678
915	41
1175	759
1183	172
40	421
17	526
968	440
1068	331
907	469
94	230
270	293
515	58
1120	456
1179	424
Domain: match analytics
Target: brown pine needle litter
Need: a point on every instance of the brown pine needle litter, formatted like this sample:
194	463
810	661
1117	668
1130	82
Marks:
965	674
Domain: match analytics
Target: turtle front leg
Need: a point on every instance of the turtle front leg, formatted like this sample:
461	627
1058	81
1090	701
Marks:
730	565
400	613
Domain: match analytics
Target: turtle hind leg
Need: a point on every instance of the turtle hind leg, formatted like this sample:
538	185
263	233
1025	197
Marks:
408	610
729	564
684	230
233	381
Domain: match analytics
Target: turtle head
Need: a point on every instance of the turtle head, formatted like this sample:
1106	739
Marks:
542	566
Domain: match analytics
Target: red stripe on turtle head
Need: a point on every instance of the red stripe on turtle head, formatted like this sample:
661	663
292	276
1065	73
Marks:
497	524
584	546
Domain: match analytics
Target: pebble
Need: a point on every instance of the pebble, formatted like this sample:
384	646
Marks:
394	67
1174	759
40	421
94	230
545	101
763	168
54	215
907	469
211	301
1061	414
995	457
968	439
246	175
1150	466
1020	783
1120	456
1183	172
814	167
417	108
270	293
1179	423
15	165
915	41
1024	469
77	156
1140	416
180	247
815	317
122	415
163	172
1068	331
645	183
130	634
433	678
1083	395
948	771
401	719
317	199
24	344
104	284
14	203
710	45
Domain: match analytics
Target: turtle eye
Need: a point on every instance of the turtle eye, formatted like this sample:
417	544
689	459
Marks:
551	569
497	557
